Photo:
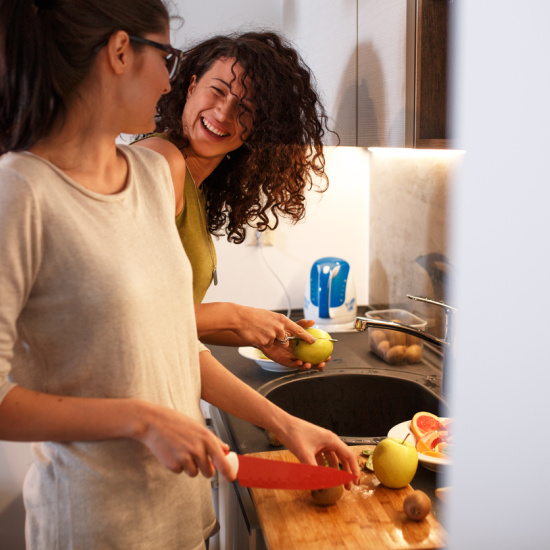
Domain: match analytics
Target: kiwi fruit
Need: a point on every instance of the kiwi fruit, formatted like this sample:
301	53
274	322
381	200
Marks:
417	505
326	497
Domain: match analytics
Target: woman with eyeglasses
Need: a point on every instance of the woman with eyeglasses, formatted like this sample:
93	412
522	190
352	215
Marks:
99	358
242	130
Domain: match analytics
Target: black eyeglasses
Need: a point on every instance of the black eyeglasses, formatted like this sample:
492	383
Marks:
172	59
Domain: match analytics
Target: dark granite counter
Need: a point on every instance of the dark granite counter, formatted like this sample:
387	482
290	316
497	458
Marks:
351	354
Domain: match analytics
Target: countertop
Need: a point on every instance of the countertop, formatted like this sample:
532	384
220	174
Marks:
351	352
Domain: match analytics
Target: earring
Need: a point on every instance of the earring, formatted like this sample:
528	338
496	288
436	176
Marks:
228	157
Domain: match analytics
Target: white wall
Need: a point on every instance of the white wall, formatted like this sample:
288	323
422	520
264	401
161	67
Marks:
501	377
336	224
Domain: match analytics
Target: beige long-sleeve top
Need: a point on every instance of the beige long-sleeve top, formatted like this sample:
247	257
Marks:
96	301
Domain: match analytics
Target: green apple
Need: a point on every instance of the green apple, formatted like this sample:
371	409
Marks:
394	462
314	353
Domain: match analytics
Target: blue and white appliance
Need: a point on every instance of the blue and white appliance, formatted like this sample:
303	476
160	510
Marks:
330	295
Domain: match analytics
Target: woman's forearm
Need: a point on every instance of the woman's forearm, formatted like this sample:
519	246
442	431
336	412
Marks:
224	338
178	441
224	390
251	326
215	317
26	415
311	444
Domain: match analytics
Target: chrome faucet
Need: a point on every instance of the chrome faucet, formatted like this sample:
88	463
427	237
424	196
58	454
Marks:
446	343
363	323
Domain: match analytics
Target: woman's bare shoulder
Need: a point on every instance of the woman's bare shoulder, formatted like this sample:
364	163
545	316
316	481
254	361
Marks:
176	162
164	147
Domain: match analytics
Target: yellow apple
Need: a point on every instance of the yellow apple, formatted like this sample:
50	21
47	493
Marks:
394	462
314	353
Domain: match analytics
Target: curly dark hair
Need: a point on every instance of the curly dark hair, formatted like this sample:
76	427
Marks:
266	177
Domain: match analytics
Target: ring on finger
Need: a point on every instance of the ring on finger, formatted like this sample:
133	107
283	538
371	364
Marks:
285	339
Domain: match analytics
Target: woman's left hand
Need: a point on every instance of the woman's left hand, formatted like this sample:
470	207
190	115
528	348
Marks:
282	354
312	444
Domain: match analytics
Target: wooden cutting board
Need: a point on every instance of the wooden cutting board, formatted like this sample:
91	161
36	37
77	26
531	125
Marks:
369	516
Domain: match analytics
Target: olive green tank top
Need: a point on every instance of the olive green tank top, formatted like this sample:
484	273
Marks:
196	239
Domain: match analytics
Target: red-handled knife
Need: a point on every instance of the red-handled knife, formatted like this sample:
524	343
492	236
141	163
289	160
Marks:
277	474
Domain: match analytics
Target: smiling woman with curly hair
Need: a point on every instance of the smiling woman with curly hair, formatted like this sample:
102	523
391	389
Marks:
242	131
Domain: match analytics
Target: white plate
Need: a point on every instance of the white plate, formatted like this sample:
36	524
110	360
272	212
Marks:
431	462
266	364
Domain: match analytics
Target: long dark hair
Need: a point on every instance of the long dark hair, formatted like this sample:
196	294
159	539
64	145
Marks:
266	177
46	52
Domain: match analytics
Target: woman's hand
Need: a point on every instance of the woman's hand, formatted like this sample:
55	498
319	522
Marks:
181	443
228	324
312	445
282	354
308	442
262	328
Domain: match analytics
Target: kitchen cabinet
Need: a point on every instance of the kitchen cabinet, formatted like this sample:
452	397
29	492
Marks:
430	125
382	91
381	68
402	73
325	34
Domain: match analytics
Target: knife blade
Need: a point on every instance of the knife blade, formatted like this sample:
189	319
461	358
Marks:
277	474
316	338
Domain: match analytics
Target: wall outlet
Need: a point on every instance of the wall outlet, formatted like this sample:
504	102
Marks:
257	238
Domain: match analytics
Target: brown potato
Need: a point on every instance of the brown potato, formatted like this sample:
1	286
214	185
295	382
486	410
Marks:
375	337
411	340
326	497
383	348
396	354
397	338
414	353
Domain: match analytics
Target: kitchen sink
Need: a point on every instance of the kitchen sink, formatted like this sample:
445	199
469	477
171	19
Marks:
358	396
355	404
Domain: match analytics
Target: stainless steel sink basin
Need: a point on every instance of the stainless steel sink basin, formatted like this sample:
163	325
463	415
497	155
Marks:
355	404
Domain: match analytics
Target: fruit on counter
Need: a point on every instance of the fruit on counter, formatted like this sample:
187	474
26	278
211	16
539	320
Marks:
417	505
394	462
273	439
314	353
376	336
326	497
435	454
395	347
396	354
437	441
383	349
397	338
423	423
365	460
414	353
432	434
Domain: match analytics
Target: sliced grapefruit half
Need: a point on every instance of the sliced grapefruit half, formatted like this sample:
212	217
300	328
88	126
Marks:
435	454
422	447
424	423
436	439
